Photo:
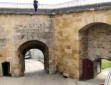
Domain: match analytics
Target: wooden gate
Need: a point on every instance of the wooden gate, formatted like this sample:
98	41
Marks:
87	69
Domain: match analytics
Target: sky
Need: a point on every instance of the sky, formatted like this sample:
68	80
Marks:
40	1
48	3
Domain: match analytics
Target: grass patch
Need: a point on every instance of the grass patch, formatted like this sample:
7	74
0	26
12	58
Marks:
106	64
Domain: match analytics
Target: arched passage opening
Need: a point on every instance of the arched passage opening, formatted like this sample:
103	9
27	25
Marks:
100	65
30	46
34	61
94	45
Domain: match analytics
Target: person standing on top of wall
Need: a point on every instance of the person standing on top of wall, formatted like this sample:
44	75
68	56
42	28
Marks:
35	3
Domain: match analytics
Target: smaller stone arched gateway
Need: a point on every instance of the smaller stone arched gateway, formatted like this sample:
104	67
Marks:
95	44
34	44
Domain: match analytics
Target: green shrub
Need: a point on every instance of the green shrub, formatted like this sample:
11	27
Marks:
106	64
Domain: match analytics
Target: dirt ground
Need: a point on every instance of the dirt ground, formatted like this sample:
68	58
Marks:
35	75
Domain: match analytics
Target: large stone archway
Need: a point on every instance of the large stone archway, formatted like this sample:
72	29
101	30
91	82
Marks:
95	43
32	45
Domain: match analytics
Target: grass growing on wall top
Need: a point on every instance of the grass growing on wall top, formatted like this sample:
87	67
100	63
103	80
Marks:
106	64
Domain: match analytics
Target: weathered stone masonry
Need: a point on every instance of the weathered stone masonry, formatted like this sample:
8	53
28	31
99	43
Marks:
66	38
19	29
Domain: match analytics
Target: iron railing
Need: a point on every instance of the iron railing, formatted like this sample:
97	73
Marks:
51	6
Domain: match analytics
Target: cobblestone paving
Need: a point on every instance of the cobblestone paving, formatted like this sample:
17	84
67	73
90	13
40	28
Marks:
37	76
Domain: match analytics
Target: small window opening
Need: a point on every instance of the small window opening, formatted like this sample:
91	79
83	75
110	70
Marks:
6	69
